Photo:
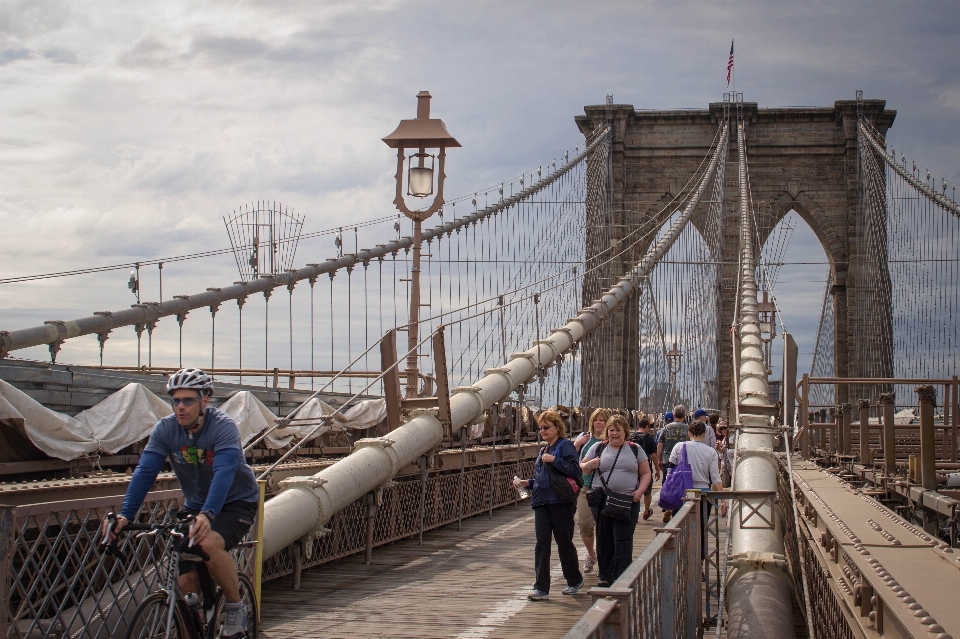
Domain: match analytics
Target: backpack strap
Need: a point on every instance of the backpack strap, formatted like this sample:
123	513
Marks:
598	448
635	449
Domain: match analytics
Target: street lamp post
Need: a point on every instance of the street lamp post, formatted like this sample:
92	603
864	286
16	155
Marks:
673	365
421	133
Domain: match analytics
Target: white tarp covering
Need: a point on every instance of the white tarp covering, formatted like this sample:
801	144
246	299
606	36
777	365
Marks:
360	416
253	417
121	419
129	415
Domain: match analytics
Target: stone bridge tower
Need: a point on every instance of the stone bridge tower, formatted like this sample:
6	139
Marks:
803	159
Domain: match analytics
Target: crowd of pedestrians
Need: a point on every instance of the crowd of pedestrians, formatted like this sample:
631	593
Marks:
597	481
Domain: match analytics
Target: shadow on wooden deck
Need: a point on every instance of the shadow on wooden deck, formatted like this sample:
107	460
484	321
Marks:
470	584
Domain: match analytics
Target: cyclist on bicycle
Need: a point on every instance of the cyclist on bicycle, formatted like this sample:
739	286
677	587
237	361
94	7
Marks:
203	446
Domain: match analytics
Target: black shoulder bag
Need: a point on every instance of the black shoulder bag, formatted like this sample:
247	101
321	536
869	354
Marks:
566	488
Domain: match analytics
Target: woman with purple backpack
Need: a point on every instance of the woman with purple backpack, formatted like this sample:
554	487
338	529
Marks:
704	468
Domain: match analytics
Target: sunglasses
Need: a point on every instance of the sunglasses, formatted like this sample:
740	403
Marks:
186	401
547	427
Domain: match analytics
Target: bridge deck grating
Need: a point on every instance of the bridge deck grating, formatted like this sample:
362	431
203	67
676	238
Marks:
470	584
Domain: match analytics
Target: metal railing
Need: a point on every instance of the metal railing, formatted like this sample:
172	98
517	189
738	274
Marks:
398	514
58	582
660	593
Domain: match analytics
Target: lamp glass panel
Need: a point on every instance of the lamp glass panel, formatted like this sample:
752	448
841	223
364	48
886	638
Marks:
420	181
764	327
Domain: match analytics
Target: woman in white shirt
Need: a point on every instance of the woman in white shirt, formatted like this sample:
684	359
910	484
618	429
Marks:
705	467
702	458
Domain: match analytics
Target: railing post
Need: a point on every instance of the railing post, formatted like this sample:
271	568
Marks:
297	549
927	396
7	540
844	428
693	551
833	432
805	417
955	410
865	457
668	588
889	435
371	499
258	552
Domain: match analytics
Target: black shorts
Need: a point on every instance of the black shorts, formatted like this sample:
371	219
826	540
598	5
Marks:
232	523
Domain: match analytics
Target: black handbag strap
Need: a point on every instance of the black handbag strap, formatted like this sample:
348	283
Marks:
602	481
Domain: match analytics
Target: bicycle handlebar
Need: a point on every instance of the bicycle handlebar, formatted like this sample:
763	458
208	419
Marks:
182	525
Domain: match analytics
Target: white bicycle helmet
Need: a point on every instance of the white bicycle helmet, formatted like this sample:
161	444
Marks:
192	379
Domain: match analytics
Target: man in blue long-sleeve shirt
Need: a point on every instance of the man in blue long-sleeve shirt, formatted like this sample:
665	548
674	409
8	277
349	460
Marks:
203	446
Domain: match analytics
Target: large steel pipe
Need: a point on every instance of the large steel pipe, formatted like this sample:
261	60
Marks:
759	599
305	504
750	599
54	332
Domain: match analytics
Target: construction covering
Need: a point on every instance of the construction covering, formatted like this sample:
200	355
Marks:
30	431
252	418
123	418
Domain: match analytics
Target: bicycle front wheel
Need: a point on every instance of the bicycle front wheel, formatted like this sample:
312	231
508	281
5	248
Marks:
249	597
150	620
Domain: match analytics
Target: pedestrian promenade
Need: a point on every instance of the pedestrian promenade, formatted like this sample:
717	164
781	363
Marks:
469	584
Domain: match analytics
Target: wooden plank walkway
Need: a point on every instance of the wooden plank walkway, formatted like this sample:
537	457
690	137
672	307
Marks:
469	584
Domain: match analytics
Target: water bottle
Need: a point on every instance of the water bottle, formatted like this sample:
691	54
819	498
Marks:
192	600
517	483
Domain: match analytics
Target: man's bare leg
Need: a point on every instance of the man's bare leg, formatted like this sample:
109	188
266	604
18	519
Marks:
222	568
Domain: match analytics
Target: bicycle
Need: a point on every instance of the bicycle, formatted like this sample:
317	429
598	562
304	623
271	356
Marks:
165	613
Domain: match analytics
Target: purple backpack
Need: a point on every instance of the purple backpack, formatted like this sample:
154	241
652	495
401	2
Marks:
678	482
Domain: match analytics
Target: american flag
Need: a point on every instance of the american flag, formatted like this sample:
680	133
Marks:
730	63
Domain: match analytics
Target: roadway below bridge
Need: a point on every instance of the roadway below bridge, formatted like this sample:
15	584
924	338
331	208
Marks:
469	584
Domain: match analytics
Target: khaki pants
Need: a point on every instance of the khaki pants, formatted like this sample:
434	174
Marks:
585	516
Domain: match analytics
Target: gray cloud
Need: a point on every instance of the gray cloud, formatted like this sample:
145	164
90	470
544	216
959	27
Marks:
30	18
133	133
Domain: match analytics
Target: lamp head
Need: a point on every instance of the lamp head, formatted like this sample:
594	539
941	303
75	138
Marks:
420	133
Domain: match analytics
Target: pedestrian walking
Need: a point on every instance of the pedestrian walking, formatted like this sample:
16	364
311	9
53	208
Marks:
710	439
585	520
704	467
648	443
552	515
671	435
625	477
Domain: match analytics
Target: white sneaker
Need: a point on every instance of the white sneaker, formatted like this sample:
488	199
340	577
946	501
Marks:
235	622
589	564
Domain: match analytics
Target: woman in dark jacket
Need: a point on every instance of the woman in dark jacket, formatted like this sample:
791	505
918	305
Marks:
551	516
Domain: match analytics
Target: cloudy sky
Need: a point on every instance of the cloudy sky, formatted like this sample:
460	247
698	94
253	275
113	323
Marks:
127	130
